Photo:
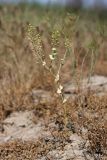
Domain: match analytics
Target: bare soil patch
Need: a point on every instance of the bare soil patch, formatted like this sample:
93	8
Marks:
23	137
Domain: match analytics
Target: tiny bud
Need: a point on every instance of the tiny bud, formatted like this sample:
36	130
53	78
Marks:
62	61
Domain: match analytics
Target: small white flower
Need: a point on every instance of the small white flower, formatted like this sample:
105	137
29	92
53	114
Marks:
59	90
51	57
57	78
54	49
64	100
44	63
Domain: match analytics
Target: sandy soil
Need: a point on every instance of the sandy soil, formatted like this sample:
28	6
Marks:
22	127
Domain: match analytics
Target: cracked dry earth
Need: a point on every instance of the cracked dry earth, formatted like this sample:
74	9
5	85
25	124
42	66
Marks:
23	138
